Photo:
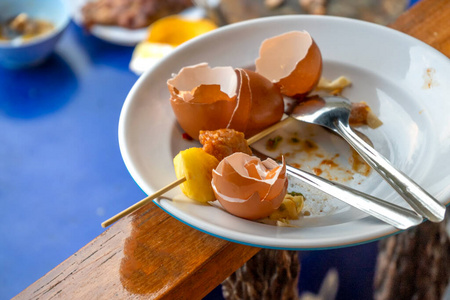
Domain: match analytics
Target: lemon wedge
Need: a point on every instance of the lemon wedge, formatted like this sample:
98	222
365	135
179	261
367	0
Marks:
163	36
175	30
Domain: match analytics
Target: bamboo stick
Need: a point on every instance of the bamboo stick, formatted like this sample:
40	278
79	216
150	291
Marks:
143	202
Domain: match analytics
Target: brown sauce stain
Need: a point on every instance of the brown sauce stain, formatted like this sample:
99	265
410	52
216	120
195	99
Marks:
329	163
428	78
328	167
296	165
317	171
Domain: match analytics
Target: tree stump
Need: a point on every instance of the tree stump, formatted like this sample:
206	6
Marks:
270	274
414	264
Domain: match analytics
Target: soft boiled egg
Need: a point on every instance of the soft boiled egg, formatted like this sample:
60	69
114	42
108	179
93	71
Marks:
292	61
248	187
205	98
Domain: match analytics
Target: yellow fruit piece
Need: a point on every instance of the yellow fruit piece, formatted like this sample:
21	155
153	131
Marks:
175	30
196	165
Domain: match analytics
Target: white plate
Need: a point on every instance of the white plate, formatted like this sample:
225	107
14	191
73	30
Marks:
120	35
405	81
113	34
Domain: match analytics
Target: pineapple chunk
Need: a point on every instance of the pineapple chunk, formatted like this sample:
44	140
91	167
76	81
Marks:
196	165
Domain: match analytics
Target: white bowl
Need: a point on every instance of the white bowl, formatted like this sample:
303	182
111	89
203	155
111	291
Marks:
19	53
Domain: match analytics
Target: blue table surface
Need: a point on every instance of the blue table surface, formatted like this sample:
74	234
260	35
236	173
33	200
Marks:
61	172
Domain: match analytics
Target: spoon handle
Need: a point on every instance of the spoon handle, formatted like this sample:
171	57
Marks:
392	214
420	200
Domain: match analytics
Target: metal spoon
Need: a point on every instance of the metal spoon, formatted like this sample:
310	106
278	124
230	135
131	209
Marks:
392	214
333	112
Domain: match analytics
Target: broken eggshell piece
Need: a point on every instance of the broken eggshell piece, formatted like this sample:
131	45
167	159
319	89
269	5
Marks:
292	61
205	98
248	187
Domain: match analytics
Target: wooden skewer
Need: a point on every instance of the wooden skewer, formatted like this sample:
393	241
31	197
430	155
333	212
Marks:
269	130
144	201
179	181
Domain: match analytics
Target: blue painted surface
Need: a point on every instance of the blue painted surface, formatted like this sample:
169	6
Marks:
61	173
412	2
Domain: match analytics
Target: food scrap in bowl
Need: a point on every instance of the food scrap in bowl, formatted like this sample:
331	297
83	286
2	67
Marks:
30	30
24	27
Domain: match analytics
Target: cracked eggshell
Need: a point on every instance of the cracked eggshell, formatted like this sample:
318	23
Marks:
203	98
248	187
292	61
266	102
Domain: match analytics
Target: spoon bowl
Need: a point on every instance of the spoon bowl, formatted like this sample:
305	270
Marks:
324	111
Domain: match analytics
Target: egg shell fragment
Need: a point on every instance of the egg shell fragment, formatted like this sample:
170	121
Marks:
292	61
203	98
239	118
248	187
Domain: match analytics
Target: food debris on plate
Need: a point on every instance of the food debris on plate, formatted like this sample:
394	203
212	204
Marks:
290	209
223	142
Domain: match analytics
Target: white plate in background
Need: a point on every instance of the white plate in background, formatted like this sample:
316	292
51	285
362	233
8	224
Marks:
113	34
121	35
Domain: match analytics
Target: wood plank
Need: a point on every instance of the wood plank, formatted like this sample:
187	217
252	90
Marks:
150	255
428	21
147	255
